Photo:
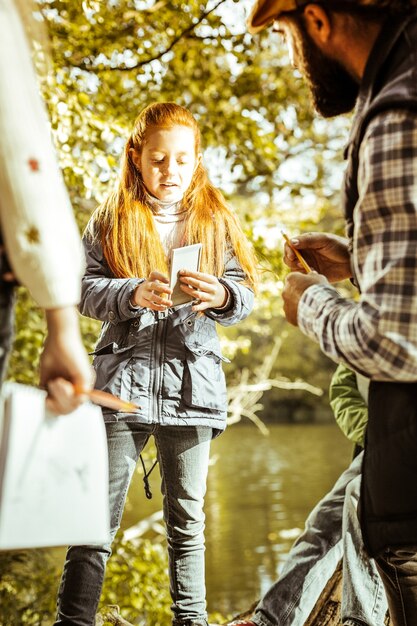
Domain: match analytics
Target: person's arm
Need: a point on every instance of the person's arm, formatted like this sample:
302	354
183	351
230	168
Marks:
64	365
376	335
349	407
104	297
38	227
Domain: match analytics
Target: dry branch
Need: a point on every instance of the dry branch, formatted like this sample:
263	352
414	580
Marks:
244	397
141	528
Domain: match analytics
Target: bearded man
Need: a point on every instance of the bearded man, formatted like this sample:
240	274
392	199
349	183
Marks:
363	54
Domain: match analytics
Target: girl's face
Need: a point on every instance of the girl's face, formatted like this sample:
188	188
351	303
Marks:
167	161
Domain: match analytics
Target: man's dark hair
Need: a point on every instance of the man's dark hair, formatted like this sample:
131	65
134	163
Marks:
376	12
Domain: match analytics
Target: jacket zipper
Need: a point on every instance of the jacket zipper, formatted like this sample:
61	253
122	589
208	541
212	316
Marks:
159	339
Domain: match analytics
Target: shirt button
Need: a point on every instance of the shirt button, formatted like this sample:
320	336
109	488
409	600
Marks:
112	316
135	323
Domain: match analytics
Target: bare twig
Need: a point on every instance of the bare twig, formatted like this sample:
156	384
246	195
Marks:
150	523
244	397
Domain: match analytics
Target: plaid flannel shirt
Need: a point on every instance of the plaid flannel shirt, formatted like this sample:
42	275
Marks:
377	335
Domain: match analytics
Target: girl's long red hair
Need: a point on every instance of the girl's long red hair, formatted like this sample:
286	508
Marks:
125	224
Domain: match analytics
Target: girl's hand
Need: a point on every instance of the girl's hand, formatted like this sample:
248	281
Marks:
325	253
205	288
154	293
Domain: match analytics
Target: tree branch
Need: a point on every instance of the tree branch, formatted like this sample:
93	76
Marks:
183	34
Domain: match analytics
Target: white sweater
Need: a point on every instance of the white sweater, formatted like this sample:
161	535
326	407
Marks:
36	218
169	220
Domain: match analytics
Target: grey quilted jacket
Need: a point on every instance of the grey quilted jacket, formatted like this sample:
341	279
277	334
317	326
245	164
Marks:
170	363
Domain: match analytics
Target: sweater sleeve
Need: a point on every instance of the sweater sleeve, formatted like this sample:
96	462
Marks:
240	297
39	231
104	297
349	407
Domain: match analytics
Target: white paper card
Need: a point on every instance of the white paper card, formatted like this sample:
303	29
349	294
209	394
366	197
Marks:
53	473
188	258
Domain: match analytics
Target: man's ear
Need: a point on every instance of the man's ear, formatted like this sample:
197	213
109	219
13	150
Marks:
135	158
318	23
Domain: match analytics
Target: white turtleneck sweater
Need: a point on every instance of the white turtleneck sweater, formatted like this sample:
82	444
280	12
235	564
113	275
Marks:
169	220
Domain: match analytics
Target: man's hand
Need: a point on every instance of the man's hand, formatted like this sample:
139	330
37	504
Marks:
325	253
64	361
295	285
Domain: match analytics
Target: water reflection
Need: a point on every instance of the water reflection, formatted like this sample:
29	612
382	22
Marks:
259	494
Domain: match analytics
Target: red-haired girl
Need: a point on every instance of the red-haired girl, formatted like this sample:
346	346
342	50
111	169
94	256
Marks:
164	358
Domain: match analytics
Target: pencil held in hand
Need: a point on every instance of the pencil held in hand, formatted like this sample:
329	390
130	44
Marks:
297	254
108	400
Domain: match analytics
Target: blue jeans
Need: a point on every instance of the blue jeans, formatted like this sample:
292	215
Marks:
331	532
183	454
364	600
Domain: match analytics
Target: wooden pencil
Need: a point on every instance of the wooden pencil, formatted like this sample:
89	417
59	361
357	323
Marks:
103	398
297	254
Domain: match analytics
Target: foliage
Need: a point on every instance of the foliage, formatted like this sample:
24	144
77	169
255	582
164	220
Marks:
112	58
28	581
137	581
24	359
29	338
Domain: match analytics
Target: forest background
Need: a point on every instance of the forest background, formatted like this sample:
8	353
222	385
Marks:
278	164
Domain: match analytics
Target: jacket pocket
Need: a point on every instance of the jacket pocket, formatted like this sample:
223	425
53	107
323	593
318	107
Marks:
110	348
112	366
204	383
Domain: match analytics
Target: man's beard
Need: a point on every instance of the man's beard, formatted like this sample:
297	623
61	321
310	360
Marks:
332	88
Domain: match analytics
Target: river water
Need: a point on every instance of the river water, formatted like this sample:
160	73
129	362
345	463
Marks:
260	490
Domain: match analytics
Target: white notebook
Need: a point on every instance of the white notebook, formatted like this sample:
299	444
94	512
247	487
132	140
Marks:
188	258
53	473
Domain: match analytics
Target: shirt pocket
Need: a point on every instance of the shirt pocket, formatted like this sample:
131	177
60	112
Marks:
204	383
